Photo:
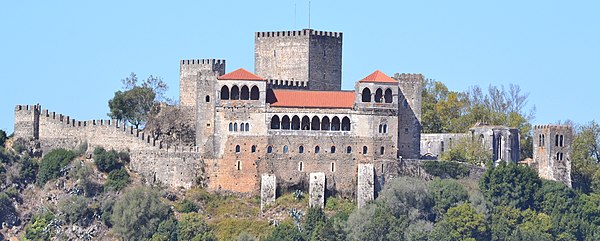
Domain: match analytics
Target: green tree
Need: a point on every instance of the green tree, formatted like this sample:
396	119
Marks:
461	223
6	207
38	229
191	226
75	210
314	221
167	231
28	170
137	102
2	138
187	206
137	214
586	157
447	193
106	161
286	232
375	221
510	185
52	165
117	179
408	197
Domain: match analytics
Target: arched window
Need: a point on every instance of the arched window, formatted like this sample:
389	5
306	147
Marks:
348	149
275	122
365	150
230	126
317	149
366	95
325	125
285	122
346	124
380	128
305	123
384	128
295	123
237	149
254	94
235	93
207	98
245	93
224	92
301	149
543	139
335	124
253	149
315	124
235	127
556	140
388	95
332	149
561	140
242	127
269	149
378	95
558	156
382	150
247	127
285	149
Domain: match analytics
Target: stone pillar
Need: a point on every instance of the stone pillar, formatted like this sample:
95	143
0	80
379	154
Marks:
268	188
316	190
366	184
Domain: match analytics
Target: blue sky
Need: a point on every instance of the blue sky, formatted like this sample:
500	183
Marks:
70	56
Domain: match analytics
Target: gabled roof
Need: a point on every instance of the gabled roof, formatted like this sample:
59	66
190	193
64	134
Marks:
378	77
241	74
312	99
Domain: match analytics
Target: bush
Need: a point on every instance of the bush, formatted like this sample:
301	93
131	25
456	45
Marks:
191	226
446	169
53	164
6	207
510	185
38	230
28	171
447	193
2	137
106	161
138	213
19	145
82	173
187	206
117	179
75	210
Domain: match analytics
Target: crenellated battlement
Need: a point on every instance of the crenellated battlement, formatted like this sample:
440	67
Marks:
27	107
304	32
202	61
565	127
286	84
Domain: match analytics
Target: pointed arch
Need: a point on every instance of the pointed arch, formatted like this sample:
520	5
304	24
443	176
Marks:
295	123
335	124
245	93
247	127
325	124
254	93
346	124
305	123
285	122
235	93
379	95
388	96
301	149
224	92
366	95
315	123
275	122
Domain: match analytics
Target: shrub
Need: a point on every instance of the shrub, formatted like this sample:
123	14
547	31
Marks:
6	207
447	193
19	145
28	171
75	210
2	137
191	226
510	185
106	161
117	179
81	173
53	164
187	206
137	214
38	230
445	169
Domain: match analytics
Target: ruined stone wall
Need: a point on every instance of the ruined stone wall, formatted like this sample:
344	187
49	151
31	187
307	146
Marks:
308	57
433	145
552	150
503	142
176	167
409	114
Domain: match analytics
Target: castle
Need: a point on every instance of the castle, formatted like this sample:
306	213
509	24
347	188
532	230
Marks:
288	125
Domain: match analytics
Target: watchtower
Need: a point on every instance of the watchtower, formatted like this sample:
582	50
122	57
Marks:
552	148
306	58
409	114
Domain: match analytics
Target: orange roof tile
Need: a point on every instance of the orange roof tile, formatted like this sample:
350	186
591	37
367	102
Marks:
240	74
312	99
378	77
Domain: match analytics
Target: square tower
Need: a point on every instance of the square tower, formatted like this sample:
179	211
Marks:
307	58
552	148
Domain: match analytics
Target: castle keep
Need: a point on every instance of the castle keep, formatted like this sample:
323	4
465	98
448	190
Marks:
288	125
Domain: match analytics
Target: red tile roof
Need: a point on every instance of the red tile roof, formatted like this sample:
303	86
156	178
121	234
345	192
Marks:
378	77
241	74
312	99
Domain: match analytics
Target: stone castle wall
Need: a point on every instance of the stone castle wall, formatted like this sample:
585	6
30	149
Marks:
170	165
409	114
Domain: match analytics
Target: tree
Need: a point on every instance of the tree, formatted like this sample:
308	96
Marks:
375	221
510	185
117	179
408	197
586	158
106	161
138	213
52	165
447	193
137	102
461	223
315	221
286	232
191	226
2	138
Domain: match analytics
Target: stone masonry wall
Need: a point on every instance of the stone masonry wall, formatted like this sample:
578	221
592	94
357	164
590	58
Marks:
409	114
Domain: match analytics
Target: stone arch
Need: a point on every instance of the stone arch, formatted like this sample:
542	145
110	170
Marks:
365	150
346	124
332	150
382	150
349	149
247	127
285	122
317	149
269	149
295	123
285	149
238	149
366	95
235	93
242	127
315	123
380	128
254	93
245	93
379	95
384	128
275	124
235	127
325	124
301	149
230	126
388	96
305	123
207	98
335	124
224	92
253	149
